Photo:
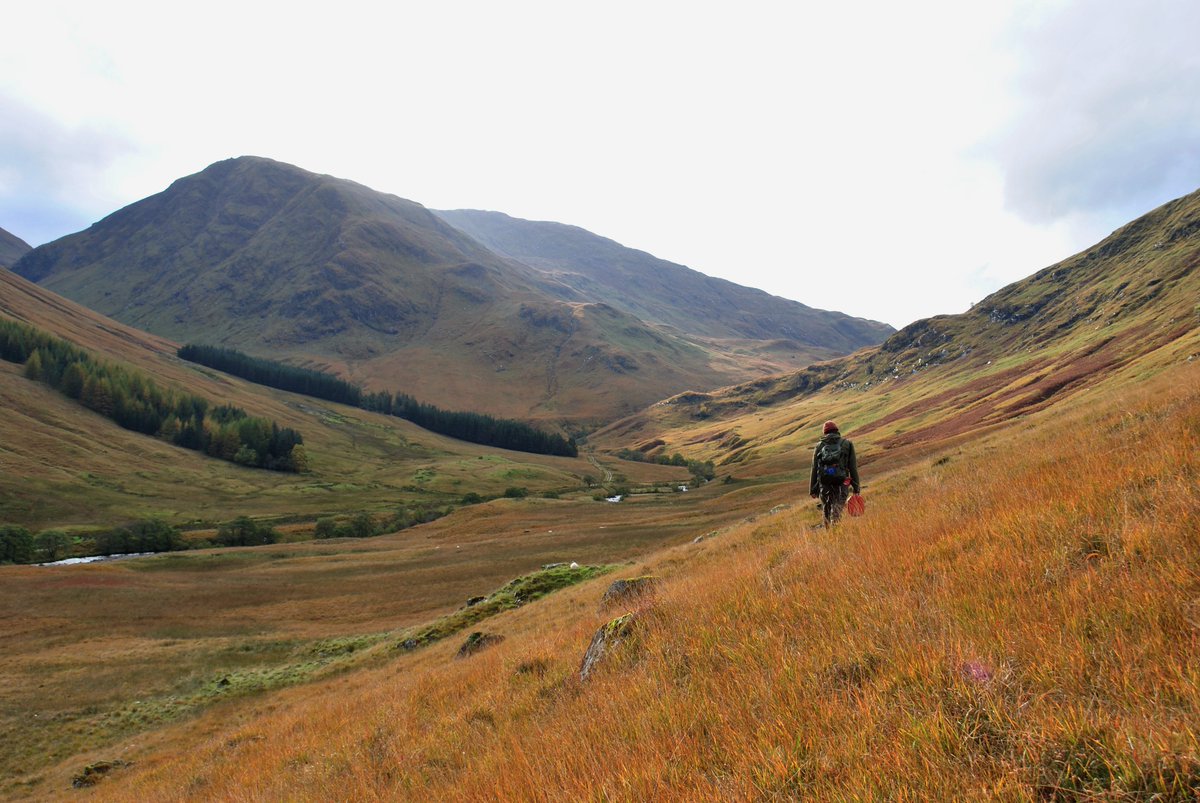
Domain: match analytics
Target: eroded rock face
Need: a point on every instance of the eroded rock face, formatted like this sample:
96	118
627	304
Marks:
478	641
624	591
607	639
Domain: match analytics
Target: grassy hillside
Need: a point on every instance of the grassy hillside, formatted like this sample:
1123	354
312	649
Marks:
62	465
276	261
1122	309
12	248
1005	623
662	292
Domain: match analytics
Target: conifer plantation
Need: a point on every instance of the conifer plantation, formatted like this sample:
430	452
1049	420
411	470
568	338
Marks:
502	433
136	402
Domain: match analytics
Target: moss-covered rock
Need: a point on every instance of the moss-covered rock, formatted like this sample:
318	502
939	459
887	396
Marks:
478	641
606	640
634	588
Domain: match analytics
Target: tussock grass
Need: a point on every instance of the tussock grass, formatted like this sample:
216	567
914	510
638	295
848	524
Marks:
1019	622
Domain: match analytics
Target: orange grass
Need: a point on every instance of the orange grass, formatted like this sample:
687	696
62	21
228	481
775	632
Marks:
1020	622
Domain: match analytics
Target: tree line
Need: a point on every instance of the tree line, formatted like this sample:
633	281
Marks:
317	384
21	545
504	433
700	471
135	402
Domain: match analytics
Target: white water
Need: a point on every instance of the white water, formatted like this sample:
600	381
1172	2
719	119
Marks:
96	559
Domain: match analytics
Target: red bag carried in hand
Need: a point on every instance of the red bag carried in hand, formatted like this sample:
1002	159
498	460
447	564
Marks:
856	506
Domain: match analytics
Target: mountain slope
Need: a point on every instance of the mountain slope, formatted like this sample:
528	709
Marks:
1125	307
659	291
12	248
254	246
63	465
274	260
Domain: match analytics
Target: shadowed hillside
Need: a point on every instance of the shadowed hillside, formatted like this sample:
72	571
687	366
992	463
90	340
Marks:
12	248
659	291
274	260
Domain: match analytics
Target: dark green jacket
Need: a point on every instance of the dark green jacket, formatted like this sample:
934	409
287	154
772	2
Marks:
814	483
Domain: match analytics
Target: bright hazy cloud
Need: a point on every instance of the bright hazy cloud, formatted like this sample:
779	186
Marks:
889	160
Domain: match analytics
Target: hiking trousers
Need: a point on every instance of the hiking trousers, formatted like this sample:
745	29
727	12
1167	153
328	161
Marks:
833	502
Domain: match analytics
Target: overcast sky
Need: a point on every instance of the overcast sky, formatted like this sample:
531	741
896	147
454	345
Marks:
890	160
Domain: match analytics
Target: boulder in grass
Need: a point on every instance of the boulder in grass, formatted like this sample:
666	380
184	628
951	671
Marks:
93	773
624	591
478	641
473	601
606	640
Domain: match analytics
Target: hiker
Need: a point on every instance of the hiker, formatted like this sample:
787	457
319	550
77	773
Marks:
834	473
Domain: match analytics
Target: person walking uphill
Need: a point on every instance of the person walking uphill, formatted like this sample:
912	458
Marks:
834	473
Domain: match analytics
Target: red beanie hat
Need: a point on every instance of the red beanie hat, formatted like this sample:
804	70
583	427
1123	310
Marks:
829	427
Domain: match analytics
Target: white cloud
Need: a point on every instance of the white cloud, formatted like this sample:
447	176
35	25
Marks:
1107	118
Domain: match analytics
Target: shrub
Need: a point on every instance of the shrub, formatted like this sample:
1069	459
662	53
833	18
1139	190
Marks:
16	544
52	545
362	525
150	535
244	531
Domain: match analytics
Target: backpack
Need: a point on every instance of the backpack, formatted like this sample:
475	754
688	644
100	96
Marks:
832	459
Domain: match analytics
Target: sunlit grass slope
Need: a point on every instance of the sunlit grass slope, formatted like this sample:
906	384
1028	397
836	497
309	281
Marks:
1013	619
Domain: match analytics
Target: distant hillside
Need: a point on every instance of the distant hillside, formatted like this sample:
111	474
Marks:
1125	307
63	465
273	260
659	291
12	248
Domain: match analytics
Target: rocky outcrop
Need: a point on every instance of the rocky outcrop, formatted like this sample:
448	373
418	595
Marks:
634	589
478	641
93	773
607	639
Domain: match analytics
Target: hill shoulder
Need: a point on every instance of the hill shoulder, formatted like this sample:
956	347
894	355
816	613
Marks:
12	248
